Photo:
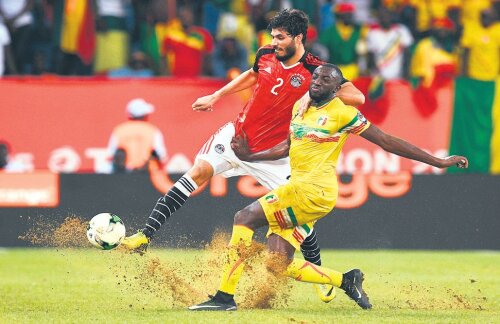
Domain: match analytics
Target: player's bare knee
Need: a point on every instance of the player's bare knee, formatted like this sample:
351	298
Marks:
244	217
201	172
252	216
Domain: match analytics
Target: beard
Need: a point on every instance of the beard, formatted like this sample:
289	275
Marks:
322	95
289	52
317	96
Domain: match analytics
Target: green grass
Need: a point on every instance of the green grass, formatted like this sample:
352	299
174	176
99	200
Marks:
87	285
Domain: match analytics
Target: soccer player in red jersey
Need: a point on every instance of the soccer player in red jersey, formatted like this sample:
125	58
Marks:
281	75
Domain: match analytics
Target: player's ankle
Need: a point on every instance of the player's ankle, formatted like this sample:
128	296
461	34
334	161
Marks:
148	232
345	283
224	297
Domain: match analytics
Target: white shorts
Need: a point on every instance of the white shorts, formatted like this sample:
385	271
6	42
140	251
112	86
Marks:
218	152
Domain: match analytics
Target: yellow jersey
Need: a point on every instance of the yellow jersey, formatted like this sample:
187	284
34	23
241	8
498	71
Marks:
484	45
317	140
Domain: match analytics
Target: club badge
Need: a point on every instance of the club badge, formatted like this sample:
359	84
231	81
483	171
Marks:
219	148
296	80
271	199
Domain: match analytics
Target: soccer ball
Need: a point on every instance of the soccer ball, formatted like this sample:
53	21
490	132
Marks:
106	231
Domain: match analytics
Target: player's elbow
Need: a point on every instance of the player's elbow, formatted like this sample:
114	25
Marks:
351	95
283	153
361	99
353	99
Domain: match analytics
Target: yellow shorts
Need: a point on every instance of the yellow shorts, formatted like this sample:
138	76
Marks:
292	209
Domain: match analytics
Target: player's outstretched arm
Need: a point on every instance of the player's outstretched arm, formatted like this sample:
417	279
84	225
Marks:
350	95
242	82
402	148
240	147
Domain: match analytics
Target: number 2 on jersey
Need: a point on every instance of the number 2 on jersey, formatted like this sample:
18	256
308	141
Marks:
280	83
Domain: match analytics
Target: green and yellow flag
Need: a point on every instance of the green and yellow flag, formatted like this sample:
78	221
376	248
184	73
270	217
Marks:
476	125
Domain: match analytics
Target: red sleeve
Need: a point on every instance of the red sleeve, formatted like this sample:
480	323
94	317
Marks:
261	51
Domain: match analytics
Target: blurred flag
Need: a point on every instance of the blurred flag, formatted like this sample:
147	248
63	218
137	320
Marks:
475	129
86	37
78	30
376	88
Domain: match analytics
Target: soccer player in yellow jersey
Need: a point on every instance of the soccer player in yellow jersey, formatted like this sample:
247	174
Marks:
315	142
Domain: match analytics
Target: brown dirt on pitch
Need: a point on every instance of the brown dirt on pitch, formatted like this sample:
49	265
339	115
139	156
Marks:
210	264
162	280
269	288
217	245
71	233
181	283
420	297
258	287
186	283
39	234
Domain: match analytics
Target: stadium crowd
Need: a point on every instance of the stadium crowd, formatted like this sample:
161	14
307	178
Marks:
426	44
389	39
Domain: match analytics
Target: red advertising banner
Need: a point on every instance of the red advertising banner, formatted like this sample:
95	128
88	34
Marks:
64	125
38	189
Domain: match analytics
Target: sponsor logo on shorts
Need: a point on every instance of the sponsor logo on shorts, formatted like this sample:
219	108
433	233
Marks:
296	80
271	199
219	148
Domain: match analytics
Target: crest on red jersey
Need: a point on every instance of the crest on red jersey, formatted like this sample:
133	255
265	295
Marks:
296	80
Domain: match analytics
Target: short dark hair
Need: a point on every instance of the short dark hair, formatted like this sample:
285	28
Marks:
294	21
337	72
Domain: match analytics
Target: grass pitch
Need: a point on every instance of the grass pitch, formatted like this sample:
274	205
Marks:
88	285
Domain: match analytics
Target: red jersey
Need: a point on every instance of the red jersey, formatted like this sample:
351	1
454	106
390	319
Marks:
265	119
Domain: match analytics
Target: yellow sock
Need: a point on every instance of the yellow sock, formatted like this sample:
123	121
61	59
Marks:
233	267
306	271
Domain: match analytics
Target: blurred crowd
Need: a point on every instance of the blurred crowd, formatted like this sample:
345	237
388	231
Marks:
386	39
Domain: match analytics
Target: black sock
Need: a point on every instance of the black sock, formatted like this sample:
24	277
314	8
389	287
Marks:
168	204
310	249
224	297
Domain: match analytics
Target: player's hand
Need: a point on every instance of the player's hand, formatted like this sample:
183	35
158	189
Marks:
239	144
459	161
304	104
205	103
